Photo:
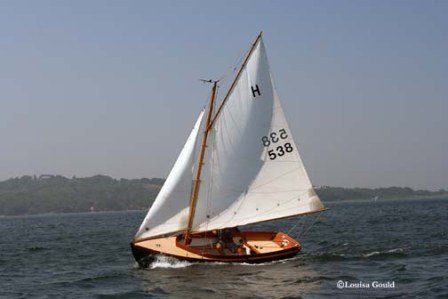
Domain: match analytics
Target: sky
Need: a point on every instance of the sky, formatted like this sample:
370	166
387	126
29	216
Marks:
111	87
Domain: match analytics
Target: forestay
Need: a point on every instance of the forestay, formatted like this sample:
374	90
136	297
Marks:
169	211
253	171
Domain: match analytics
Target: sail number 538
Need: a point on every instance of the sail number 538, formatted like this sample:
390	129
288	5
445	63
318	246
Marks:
280	150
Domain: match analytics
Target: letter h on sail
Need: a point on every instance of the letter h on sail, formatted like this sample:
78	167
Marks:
255	90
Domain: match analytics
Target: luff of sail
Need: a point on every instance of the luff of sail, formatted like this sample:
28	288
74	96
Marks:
169	211
253	171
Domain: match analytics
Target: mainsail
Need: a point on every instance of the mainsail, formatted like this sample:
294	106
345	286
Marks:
169	211
252	170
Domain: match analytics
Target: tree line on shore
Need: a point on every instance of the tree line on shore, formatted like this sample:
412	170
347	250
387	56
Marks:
57	194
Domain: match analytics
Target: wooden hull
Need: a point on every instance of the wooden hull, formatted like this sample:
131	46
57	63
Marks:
247	247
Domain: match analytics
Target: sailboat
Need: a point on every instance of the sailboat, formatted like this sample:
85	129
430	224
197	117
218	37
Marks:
239	166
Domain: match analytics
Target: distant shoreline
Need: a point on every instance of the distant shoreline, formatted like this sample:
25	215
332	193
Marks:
439	197
145	210
413	197
52	194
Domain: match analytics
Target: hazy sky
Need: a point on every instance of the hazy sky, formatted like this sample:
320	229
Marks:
110	87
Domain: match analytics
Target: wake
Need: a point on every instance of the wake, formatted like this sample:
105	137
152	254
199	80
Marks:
166	262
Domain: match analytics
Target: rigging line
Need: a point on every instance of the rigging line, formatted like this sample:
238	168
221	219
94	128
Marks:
233	68
208	208
238	60
210	169
294	226
304	221
305	231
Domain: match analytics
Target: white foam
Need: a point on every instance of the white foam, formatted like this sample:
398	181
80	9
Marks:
371	254
395	250
378	252
166	262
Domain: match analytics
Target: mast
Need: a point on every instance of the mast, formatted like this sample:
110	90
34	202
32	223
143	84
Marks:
246	59
197	180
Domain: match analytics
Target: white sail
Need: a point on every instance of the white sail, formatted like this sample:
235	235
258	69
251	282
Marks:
169	211
253	171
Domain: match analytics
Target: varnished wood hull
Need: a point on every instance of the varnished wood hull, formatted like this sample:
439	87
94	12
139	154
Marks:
264	247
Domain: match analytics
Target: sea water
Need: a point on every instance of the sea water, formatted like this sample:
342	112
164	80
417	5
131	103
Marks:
396	248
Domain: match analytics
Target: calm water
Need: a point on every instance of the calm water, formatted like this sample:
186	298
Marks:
88	255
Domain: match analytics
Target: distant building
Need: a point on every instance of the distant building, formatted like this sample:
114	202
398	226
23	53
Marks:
46	176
